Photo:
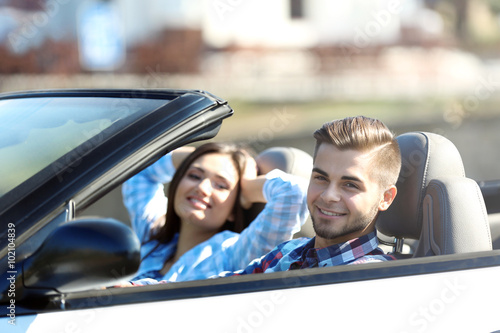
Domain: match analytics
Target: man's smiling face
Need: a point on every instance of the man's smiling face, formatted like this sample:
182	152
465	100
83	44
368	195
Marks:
343	198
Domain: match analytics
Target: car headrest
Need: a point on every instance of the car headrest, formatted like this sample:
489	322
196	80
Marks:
454	218
288	159
424	156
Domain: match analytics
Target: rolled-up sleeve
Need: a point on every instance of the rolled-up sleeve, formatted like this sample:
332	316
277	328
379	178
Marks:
144	197
285	212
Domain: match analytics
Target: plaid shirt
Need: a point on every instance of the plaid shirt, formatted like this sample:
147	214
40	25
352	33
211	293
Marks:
300	253
284	213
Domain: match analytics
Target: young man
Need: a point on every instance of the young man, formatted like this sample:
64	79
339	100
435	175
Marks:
356	166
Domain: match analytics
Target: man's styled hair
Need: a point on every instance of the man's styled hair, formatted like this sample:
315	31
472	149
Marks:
367	135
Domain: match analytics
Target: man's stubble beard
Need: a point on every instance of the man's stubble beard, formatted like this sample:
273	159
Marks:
359	224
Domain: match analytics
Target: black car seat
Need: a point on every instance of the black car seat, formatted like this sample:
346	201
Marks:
437	206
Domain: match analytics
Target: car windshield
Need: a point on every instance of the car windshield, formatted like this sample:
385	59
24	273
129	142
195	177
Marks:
35	132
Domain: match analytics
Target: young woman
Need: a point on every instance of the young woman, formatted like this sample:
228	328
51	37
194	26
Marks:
200	231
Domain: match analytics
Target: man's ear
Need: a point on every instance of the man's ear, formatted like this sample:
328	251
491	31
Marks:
388	198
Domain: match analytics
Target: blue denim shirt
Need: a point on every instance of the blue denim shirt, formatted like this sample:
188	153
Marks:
300	253
285	212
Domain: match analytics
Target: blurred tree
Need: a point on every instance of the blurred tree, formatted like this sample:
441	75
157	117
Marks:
30	5
471	22
455	13
494	6
461	23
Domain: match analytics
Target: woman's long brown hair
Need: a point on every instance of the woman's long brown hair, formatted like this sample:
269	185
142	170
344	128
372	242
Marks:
172	221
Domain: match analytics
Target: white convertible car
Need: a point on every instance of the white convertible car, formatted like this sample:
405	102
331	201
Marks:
61	151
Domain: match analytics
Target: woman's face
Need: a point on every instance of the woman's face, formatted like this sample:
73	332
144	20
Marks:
207	192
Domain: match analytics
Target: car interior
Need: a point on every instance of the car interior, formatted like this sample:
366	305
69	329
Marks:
290	160
438	210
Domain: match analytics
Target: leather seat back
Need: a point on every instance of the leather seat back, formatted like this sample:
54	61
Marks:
439	218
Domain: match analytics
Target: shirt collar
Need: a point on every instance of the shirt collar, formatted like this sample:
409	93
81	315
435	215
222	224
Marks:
341	253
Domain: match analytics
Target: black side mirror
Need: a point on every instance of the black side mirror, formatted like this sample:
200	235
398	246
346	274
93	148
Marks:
79	255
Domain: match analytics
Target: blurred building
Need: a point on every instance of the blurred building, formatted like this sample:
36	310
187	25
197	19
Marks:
178	36
276	49
122	36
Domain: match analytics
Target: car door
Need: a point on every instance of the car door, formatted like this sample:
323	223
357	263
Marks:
434	294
